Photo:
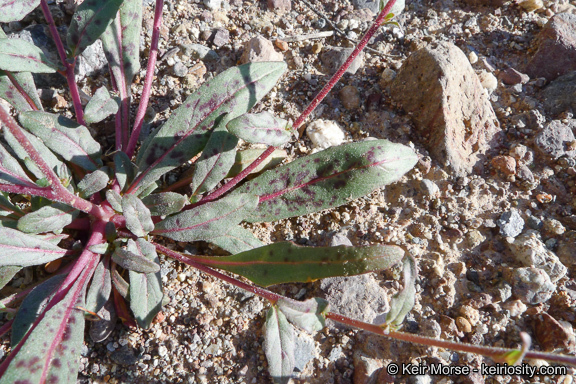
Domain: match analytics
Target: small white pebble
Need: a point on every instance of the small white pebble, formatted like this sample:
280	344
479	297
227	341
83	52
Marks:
473	57
488	81
325	134
182	277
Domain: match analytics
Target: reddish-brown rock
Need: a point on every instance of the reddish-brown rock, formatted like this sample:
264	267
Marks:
505	164
551	335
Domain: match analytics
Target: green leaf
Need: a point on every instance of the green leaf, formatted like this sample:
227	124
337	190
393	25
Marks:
101	106
90	20
308	315
287	262
8	223
186	132
137	216
245	157
100	287
6	274
32	306
48	219
114	199
166	203
10	170
52	238
16	10
93	182
17	248
65	137
236	239
125	169
146	289
17	55
216	160
327	179
208	220
11	94
99	249
6	206
261	128
135	257
279	345
403	302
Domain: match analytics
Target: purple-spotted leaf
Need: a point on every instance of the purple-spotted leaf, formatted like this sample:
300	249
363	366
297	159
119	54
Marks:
137	215
403	302
287	262
327	179
261	128
10	170
101	106
17	248
90	20
279	345
65	137
245	157
208	220
52	238
100	287
125	169
10	92
50	218
121	42
7	273
32	307
146	289
217	101
135	257
216	160
15	10
114	199
120	284
17	55
236	239
93	182
308	315
166	203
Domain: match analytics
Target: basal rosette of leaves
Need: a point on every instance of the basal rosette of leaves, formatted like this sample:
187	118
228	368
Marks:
97	215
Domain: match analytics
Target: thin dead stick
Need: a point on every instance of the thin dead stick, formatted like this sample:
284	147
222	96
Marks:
310	36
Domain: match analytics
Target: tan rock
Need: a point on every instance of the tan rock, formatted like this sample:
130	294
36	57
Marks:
260	49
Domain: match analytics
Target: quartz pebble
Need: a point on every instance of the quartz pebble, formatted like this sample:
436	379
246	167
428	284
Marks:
325	134
510	223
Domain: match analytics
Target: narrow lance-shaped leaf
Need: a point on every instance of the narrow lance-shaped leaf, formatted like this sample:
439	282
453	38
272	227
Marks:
100	106
135	258
279	345
261	128
403	302
137	215
10	170
245	157
90	20
207	221
100	287
17	55
114	199
17	248
308	315
186	132
65	137
328	178
93	182
236	239
16	10
10	93
216	160
7	273
166	203
125	169
287	262
120	284
146	288
48	219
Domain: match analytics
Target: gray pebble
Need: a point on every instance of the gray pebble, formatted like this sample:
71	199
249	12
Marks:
124	356
553	139
199	51
531	251
532	285
180	69
510	223
212	4
220	37
429	188
305	351
534	222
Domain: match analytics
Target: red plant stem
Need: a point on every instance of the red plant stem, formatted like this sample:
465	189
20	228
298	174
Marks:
69	66
6	327
139	120
311	107
21	90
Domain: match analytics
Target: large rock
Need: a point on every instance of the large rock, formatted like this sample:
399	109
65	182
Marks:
449	106
560	95
556	48
556	140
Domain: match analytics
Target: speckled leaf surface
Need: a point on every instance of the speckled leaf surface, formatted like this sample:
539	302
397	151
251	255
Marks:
17	55
10	93
125	169
287	262
90	20
308	315
48	219
137	215
100	106
328	178
17	248
93	182
279	345
216	160
114	199
10	170
261	128
135	257
146	289
166	203
100	286
236	239
208	220
65	137
403	302
6	274
15	10
228	95
245	157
